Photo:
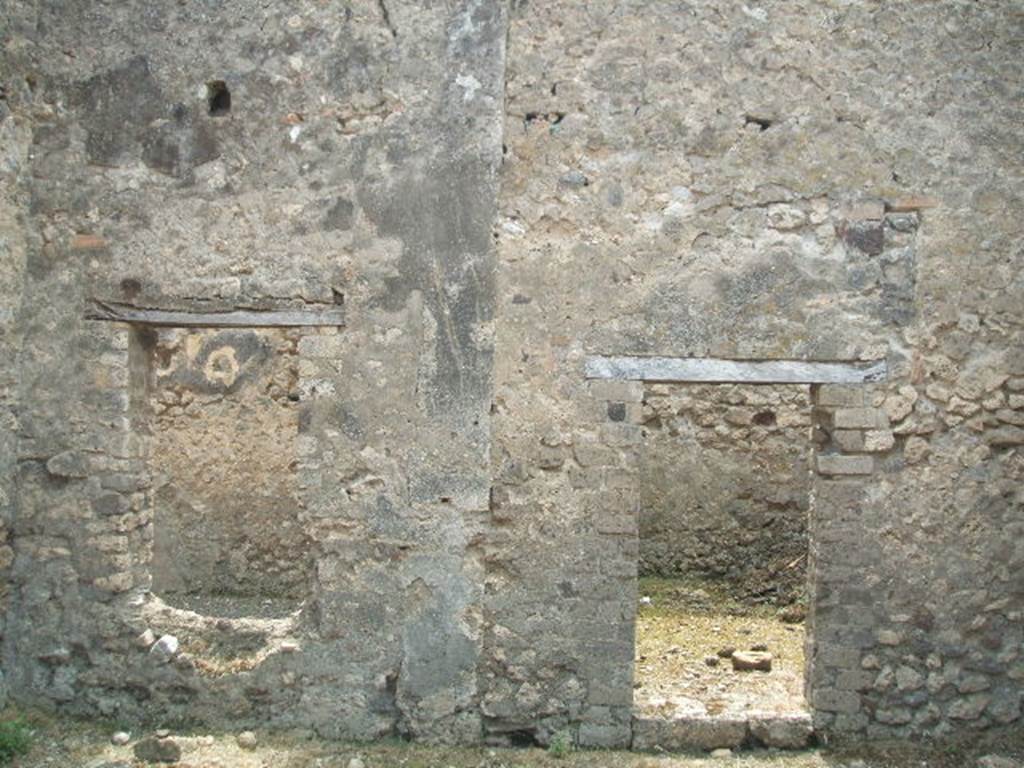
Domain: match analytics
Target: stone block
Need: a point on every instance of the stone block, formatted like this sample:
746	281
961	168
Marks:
647	733
840	395
620	435
615	736
854	680
849	440
833	700
623	522
860	418
909	203
879	440
88	242
617	391
865	210
833	464
703	732
783	731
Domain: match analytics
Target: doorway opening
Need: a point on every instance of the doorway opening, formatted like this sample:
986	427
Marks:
727	458
724	498
222	406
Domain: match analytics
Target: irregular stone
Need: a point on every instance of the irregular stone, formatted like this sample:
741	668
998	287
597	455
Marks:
69	464
146	639
746	661
573	178
900	405
969	707
908	679
1005	437
974	684
356	762
120	738
889	637
154	749
1008	416
165	648
916	449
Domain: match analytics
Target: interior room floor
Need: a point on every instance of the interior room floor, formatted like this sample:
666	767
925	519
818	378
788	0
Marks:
685	629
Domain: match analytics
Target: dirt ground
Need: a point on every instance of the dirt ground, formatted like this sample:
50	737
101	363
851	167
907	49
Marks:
72	743
681	623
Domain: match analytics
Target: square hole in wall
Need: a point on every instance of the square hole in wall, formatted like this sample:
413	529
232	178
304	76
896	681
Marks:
223	425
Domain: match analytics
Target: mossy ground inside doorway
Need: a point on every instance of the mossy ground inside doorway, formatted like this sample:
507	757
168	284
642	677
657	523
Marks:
685	628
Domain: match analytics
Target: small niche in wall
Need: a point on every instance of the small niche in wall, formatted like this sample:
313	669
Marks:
218	98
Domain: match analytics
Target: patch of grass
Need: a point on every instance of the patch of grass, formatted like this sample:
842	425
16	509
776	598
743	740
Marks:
561	744
15	739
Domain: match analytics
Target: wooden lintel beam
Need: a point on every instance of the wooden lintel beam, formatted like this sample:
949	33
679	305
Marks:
718	371
313	315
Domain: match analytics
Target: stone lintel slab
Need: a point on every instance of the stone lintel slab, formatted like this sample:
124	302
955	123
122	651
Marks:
718	371
293	317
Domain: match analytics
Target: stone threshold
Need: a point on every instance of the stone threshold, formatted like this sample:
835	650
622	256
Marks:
688	732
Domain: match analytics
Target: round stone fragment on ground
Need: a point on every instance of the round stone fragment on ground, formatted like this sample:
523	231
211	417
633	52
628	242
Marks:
720	753
158	750
752	661
120	738
246	740
711	661
356	762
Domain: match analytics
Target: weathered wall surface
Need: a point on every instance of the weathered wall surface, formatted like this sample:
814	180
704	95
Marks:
724	485
828	181
15	140
357	163
224	456
812	181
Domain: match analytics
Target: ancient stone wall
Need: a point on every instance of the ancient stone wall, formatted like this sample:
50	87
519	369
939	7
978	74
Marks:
245	156
809	181
725	486
15	141
764	183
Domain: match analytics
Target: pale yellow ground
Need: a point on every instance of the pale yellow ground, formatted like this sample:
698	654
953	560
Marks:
687	621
